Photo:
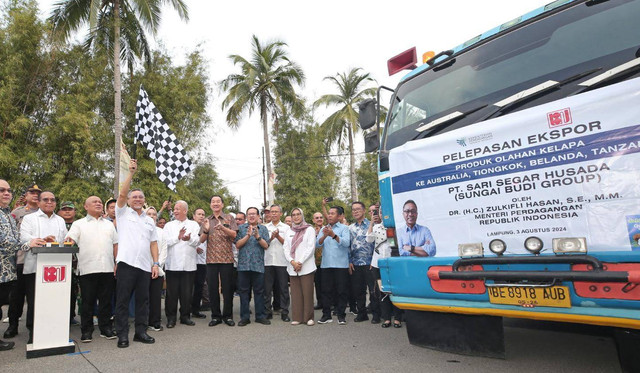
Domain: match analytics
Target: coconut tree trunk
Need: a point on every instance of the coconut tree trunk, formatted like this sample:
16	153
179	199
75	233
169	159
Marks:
352	166
267	148
117	86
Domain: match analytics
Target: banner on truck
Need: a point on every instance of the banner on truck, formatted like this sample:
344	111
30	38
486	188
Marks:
569	168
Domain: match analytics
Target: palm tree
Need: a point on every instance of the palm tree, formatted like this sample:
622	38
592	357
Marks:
119	27
266	83
344	122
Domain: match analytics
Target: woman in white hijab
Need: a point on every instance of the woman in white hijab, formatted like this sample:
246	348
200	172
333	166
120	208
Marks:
299	247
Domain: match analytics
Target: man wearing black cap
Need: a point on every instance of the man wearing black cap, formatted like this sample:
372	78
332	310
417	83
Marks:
68	213
18	293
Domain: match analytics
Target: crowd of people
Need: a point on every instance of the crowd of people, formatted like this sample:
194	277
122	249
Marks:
128	253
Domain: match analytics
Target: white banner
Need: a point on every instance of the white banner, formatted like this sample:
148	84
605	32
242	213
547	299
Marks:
570	168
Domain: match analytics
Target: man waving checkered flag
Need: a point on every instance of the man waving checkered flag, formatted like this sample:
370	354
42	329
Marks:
172	162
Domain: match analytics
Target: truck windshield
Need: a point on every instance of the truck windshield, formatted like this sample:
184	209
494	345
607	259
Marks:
579	39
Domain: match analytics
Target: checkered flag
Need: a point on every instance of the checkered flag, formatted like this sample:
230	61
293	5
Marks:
172	162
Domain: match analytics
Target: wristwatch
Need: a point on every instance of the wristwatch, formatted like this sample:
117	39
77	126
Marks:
156	264
413	249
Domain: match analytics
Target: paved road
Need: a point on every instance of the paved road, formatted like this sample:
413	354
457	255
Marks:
356	347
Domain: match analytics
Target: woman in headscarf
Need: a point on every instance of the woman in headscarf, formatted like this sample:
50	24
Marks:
299	247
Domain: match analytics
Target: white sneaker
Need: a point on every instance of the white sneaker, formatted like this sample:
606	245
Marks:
295	323
311	322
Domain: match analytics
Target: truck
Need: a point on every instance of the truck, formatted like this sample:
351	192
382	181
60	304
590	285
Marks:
508	177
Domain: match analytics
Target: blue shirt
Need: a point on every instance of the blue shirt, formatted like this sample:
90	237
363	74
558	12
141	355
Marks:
417	236
334	254
361	250
251	255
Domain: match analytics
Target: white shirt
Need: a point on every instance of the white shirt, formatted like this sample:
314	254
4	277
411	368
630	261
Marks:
39	225
381	248
304	252
95	238
135	234
181	255
202	257
274	256
162	251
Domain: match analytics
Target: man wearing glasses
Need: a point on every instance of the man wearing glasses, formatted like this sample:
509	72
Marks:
48	226
414	239
18	294
10	243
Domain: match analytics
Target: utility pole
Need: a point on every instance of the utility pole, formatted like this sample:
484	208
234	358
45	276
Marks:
264	183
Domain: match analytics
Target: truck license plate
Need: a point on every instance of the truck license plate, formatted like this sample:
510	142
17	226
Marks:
554	296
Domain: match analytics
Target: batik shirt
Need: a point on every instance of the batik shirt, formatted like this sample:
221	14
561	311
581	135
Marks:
9	245
251	255
361	250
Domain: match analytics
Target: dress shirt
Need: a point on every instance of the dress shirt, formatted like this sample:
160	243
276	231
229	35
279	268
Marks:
251	255
274	256
361	250
419	235
202	257
162	251
381	248
39	225
9	244
334	254
219	244
304	252
18	214
95	238
181	255
135	234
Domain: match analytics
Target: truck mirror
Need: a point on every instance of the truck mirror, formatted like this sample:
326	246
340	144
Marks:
371	141
367	117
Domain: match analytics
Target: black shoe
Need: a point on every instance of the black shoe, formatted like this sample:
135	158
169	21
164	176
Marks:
229	322
123	342
108	334
397	325
263	321
186	321
269	316
155	328
30	340
360	318
244	322
375	320
285	317
318	307
171	324
325	320
342	321
215	322
144	338
386	324
4	346
11	331
199	315
86	338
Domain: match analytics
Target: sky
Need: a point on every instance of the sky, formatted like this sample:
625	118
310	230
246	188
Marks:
324	38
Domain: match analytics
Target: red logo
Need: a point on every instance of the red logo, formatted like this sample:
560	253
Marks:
559	118
54	273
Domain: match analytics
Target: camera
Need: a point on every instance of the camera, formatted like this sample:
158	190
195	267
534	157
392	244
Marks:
329	199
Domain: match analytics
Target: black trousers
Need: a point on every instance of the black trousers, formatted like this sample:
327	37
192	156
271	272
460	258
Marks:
198	284
30	292
5	293
132	279
96	286
220	274
18	295
75	284
318	283
335	281
276	277
155	301
179	287
359	288
384	300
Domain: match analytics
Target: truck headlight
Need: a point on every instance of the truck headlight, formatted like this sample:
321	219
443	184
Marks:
468	250
533	245
565	245
497	246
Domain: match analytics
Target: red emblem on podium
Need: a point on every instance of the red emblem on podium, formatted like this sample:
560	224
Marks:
54	273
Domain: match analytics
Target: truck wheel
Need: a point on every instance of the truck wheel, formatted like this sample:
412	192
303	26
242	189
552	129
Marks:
628	344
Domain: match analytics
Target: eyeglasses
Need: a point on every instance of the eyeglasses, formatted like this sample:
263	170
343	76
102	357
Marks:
5	190
47	200
410	211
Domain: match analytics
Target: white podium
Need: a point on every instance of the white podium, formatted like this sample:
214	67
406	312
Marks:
52	302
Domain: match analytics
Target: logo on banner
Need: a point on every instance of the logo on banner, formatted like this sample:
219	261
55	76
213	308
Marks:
54	274
559	118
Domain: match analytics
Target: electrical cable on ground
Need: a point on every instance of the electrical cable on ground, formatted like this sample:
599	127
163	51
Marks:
82	353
